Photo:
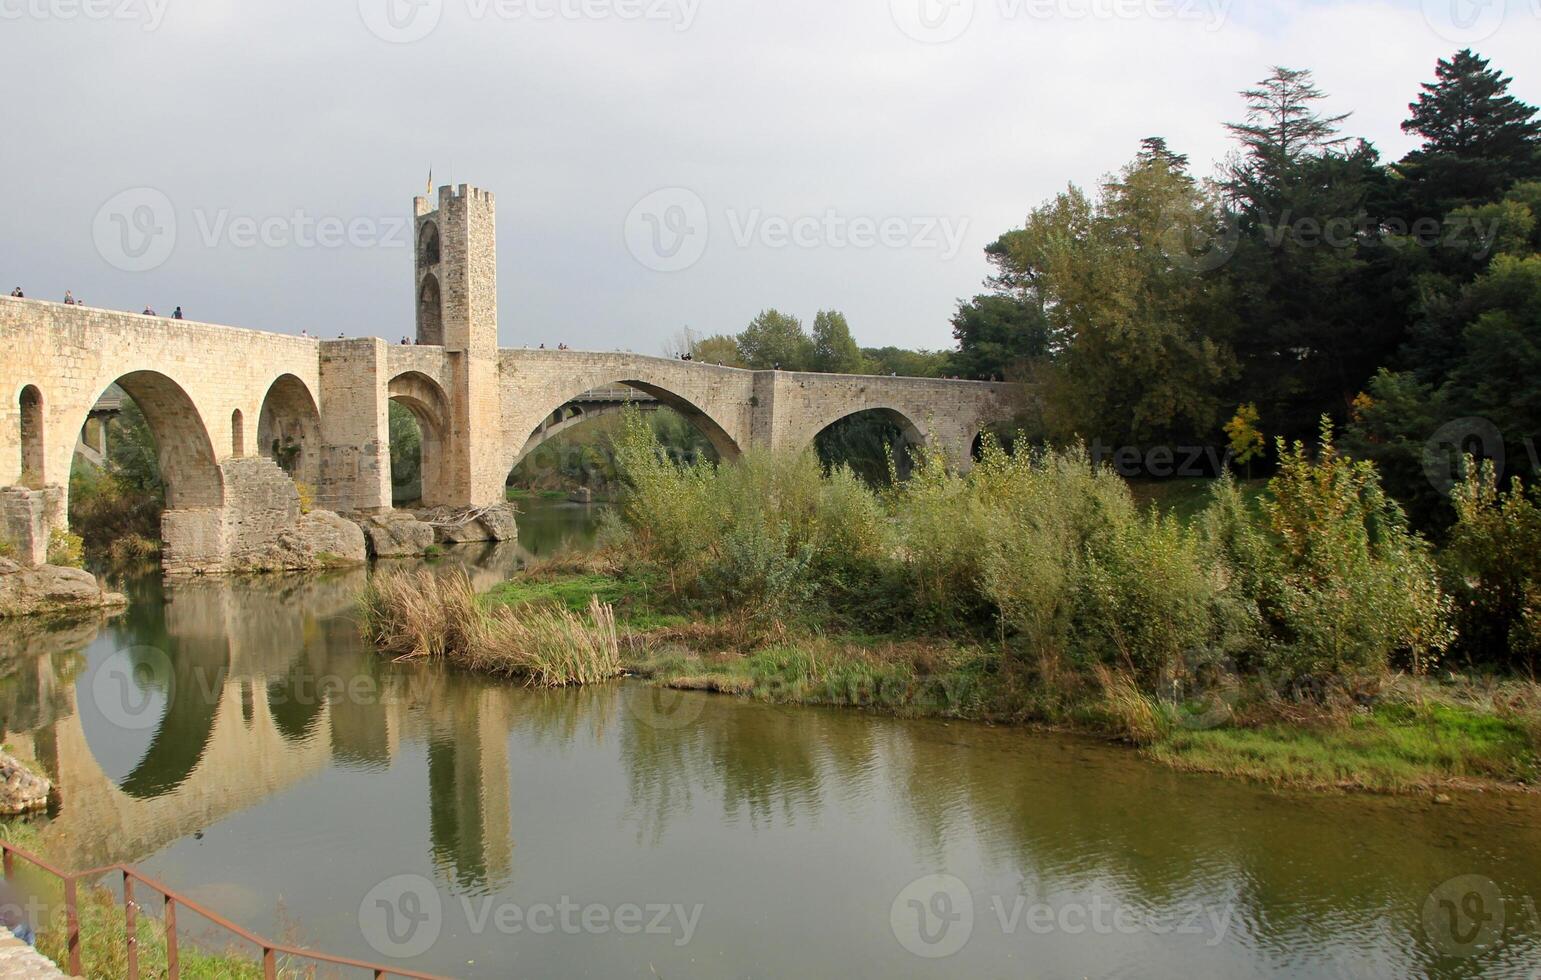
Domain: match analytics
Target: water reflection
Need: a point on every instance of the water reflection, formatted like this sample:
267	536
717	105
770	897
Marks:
293	748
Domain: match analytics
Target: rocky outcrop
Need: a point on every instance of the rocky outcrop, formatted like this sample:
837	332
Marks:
21	789
495	523
46	589
397	535
319	539
582	495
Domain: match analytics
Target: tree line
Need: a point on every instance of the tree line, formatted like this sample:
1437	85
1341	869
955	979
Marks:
1306	278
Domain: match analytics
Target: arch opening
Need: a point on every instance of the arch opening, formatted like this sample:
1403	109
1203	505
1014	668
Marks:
30	404
237	434
428	244
865	440
156	455
419	424
572	447
289	430
430	313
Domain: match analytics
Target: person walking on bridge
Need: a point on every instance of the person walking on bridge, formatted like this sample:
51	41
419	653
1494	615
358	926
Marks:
176	314
69	298
17	293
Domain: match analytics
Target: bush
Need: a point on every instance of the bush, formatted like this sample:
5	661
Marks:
65	548
1339	581
1493	568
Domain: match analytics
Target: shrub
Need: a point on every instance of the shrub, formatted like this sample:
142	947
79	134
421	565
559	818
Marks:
1493	568
65	548
1343	585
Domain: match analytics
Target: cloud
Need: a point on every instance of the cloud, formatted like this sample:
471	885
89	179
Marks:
573	111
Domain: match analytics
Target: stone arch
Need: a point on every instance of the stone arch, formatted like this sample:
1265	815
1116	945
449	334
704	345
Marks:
237	434
428	245
289	429
430	312
912	434
429	405
184	449
33	450
726	447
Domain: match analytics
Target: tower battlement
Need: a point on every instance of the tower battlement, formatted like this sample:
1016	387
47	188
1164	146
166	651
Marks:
456	279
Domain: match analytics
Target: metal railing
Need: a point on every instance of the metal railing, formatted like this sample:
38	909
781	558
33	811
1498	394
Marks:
271	951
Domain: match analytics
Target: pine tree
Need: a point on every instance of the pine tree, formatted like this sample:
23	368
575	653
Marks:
1477	139
1281	131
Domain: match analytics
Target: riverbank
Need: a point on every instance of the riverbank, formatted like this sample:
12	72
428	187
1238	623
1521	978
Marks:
1403	734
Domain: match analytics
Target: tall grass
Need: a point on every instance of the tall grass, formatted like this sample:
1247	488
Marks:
1048	555
436	616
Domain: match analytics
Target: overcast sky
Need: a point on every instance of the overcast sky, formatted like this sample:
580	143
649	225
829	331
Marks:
657	163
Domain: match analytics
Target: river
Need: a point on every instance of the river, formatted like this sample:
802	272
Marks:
238	741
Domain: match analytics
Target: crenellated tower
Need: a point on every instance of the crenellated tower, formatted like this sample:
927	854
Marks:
456	262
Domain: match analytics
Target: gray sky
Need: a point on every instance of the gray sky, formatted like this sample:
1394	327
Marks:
255	162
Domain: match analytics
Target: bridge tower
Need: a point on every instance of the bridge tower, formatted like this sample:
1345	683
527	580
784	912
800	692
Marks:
456	265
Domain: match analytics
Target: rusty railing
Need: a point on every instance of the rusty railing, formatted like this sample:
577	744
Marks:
271	950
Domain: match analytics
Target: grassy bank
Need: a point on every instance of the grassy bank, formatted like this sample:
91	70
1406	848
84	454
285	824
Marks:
1405	734
1299	631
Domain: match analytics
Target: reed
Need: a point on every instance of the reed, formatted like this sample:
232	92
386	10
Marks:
438	616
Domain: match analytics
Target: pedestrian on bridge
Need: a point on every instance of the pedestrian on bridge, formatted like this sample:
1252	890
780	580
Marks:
17	293
69	298
176	314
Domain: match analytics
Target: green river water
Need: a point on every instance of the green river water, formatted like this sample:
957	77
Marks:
238	741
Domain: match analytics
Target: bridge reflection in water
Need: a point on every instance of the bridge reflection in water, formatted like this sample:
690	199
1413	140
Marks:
268	685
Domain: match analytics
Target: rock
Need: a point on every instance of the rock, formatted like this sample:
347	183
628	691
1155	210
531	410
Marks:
21	789
397	535
582	495
1442	799
501	523
495	523
319	539
334	538
456	531
52	589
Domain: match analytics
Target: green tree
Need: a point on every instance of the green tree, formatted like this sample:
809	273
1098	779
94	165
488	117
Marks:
998	337
718	349
907	363
1282	128
834	349
406	455
1478	140
1139	332
775	340
1323	300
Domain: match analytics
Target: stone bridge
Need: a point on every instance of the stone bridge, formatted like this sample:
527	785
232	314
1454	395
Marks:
223	402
